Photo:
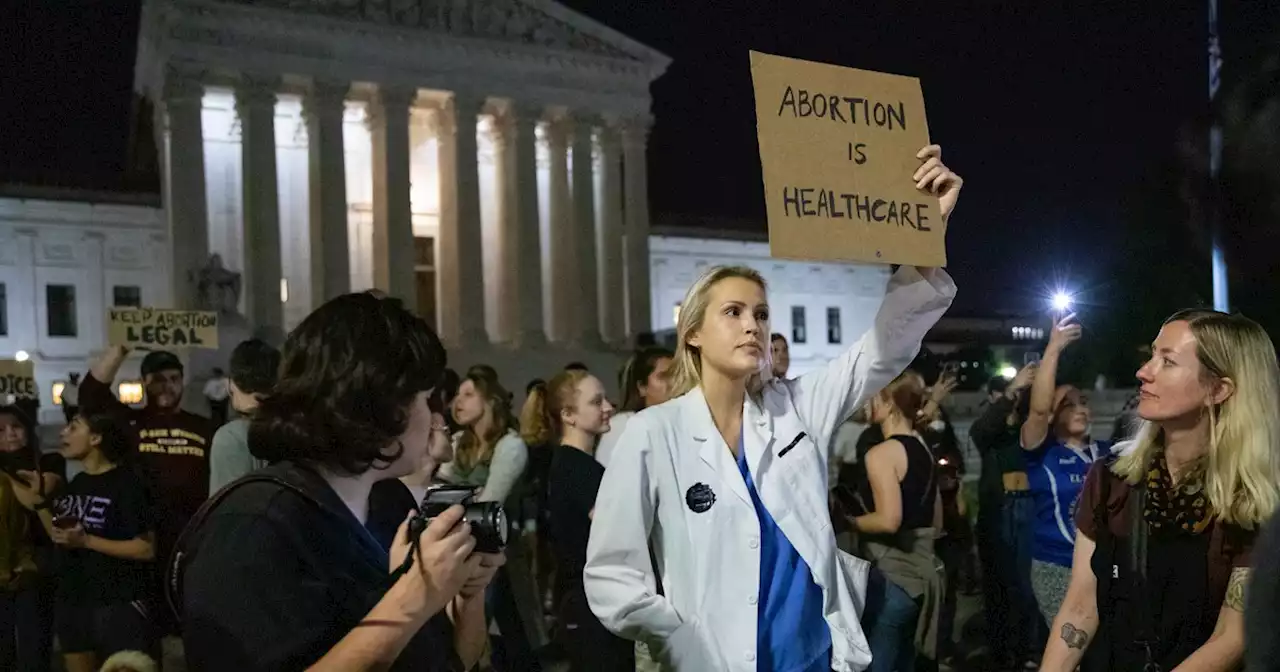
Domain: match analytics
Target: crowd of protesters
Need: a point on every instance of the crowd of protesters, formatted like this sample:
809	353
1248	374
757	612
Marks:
715	514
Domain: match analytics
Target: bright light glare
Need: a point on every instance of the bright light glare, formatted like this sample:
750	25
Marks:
1008	372
22	356
1061	301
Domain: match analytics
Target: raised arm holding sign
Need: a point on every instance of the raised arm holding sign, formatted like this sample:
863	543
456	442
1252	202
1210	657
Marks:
835	146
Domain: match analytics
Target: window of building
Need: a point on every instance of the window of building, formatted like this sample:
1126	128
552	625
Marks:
424	274
4	311
126	296
833	325
130	392
60	310
798	334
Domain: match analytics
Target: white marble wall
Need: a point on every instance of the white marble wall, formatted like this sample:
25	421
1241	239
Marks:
855	289
91	247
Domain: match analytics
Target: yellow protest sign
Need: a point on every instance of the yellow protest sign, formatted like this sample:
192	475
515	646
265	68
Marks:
838	148
153	328
19	379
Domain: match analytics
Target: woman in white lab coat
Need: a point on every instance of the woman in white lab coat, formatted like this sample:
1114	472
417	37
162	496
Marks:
726	483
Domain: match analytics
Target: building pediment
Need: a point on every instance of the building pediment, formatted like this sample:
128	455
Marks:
538	23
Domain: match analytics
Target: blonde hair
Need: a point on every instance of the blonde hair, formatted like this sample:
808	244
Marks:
686	366
473	449
1242	467
540	418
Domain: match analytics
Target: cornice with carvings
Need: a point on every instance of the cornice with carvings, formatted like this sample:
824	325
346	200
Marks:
289	34
501	19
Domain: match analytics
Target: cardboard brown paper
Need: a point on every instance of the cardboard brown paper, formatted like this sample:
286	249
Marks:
18	378
159	329
838	148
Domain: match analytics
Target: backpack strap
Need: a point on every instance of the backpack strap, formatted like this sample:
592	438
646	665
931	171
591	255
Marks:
187	544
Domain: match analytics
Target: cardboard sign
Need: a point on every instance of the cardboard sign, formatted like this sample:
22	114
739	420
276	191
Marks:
19	379
838	147
157	329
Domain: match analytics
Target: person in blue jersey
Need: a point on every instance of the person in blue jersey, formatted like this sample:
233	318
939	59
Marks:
1059	453
711	540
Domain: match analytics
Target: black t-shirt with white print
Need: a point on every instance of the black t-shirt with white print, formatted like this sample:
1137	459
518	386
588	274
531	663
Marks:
112	505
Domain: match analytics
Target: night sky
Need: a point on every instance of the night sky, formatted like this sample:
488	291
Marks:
1051	115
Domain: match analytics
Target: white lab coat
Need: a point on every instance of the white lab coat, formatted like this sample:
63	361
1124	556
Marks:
709	562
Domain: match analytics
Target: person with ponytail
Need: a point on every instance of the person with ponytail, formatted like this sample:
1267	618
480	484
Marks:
897	529
643	381
573	408
712	541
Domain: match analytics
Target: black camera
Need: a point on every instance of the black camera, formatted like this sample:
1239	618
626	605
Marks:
488	520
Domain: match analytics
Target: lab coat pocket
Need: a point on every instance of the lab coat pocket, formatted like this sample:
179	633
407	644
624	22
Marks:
686	649
857	570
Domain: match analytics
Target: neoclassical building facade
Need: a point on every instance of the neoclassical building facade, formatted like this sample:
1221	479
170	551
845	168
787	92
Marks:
482	160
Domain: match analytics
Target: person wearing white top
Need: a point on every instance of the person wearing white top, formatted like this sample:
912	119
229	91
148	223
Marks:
643	381
490	455
730	476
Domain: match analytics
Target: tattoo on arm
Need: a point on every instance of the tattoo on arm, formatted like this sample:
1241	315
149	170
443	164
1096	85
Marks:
1074	637
1235	589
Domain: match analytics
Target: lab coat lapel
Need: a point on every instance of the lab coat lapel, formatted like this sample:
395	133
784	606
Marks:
711	447
757	436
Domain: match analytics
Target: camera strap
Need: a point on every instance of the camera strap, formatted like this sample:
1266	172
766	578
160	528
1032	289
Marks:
416	527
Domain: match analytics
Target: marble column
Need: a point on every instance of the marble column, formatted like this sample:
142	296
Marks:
323	107
502	134
613	300
256	105
522	197
392	210
562	256
459	259
635	135
587	334
185	198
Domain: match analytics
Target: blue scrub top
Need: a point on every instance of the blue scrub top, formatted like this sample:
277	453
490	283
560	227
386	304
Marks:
792	634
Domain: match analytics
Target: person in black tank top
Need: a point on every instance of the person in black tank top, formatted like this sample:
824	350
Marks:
898	522
919	486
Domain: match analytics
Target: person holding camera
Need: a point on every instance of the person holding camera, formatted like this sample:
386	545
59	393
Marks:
293	567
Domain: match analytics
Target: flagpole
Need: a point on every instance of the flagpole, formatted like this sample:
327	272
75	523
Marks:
1220	298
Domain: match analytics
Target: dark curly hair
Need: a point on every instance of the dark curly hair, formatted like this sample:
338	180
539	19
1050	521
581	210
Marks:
113	438
348	374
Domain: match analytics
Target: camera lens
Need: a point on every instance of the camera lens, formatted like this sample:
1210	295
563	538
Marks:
488	525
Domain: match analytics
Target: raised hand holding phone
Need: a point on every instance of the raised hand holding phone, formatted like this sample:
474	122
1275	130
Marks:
1064	333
